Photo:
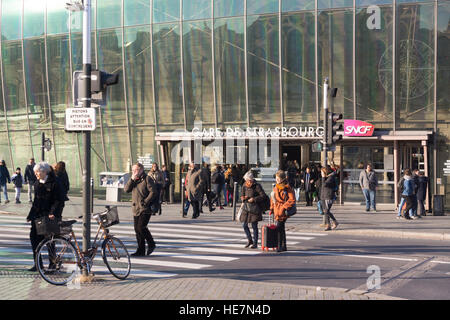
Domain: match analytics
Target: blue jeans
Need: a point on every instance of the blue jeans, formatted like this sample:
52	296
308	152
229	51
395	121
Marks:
370	195
402	202
187	204
5	192
319	207
255	231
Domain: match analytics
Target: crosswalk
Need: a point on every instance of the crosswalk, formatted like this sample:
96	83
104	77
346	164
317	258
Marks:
181	247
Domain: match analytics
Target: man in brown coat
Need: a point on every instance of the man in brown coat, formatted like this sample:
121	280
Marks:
143	194
195	188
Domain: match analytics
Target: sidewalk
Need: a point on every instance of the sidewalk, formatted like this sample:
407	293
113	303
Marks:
353	221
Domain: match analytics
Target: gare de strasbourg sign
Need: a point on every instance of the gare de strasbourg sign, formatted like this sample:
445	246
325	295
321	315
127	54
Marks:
352	128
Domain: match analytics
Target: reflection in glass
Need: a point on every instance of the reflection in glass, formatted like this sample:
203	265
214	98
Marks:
263	71
167	71
59	78
415	51
4	146
227	8
57	17
139	75
136	12
198	80
109	13
195	10
262	6
328	4
117	153
33	19
11	19
20	149
13	85
35	76
298	58
296	5
230	71
67	151
335	57
143	142
110	61
166	10
374	68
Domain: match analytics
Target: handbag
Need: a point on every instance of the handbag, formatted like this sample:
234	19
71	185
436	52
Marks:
292	210
44	226
238	217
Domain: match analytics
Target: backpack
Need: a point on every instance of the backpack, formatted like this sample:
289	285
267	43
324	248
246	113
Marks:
265	203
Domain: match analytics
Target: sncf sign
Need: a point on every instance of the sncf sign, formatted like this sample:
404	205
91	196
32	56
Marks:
357	128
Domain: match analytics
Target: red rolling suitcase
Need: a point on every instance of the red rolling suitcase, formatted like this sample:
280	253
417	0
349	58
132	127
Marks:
269	235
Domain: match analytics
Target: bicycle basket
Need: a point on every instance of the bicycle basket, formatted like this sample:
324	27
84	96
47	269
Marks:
44	226
109	217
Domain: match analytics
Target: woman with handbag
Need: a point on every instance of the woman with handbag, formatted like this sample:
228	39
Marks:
143	194
282	202
252	197
48	199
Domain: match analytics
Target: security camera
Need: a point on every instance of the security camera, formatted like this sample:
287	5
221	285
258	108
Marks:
75	5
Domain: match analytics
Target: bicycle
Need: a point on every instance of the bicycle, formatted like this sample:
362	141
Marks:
59	258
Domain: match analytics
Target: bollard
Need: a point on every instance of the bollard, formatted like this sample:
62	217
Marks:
234	200
183	198
171	190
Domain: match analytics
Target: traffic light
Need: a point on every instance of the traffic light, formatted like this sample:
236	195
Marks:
100	81
332	127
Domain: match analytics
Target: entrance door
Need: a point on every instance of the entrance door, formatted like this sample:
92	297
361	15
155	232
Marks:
290	154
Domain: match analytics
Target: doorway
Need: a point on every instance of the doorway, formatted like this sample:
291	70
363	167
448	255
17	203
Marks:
290	154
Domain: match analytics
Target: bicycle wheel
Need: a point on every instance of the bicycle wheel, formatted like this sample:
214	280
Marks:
57	260
116	257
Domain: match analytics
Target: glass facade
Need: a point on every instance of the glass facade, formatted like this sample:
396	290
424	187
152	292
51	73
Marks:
227	63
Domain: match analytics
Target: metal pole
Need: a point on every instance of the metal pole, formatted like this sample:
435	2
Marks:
183	198
43	147
92	195
325	122
86	101
235	185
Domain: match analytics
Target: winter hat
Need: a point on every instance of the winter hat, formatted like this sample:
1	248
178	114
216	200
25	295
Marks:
249	176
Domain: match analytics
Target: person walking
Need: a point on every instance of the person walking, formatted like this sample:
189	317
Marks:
30	178
406	186
17	180
4	178
252	196
415	176
369	183
308	185
282	199
143	195
158	179
327	197
48	199
422	186
196	188
217	183
206	178
165	192
63	178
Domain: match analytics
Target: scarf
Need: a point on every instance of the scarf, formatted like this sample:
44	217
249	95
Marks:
249	183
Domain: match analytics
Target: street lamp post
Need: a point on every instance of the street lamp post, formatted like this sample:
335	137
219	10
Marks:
325	123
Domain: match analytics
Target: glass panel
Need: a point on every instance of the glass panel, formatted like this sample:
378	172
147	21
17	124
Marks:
374	68
226	8
59	78
33	20
57	17
263	72
109	13
415	52
136	12
335	57
298	58
110	61
2	112
21	151
262	6
230	71
143	142
116	144
139	75
363	3
36	81
13	84
325	4
76	19
443	70
198	80
77	51
67	151
297	5
167	70
198	9
166	10
11	19
4	147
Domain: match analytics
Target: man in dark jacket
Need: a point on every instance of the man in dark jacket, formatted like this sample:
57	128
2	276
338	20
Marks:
4	178
48	198
308	182
30	178
143	194
327	196
422	186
